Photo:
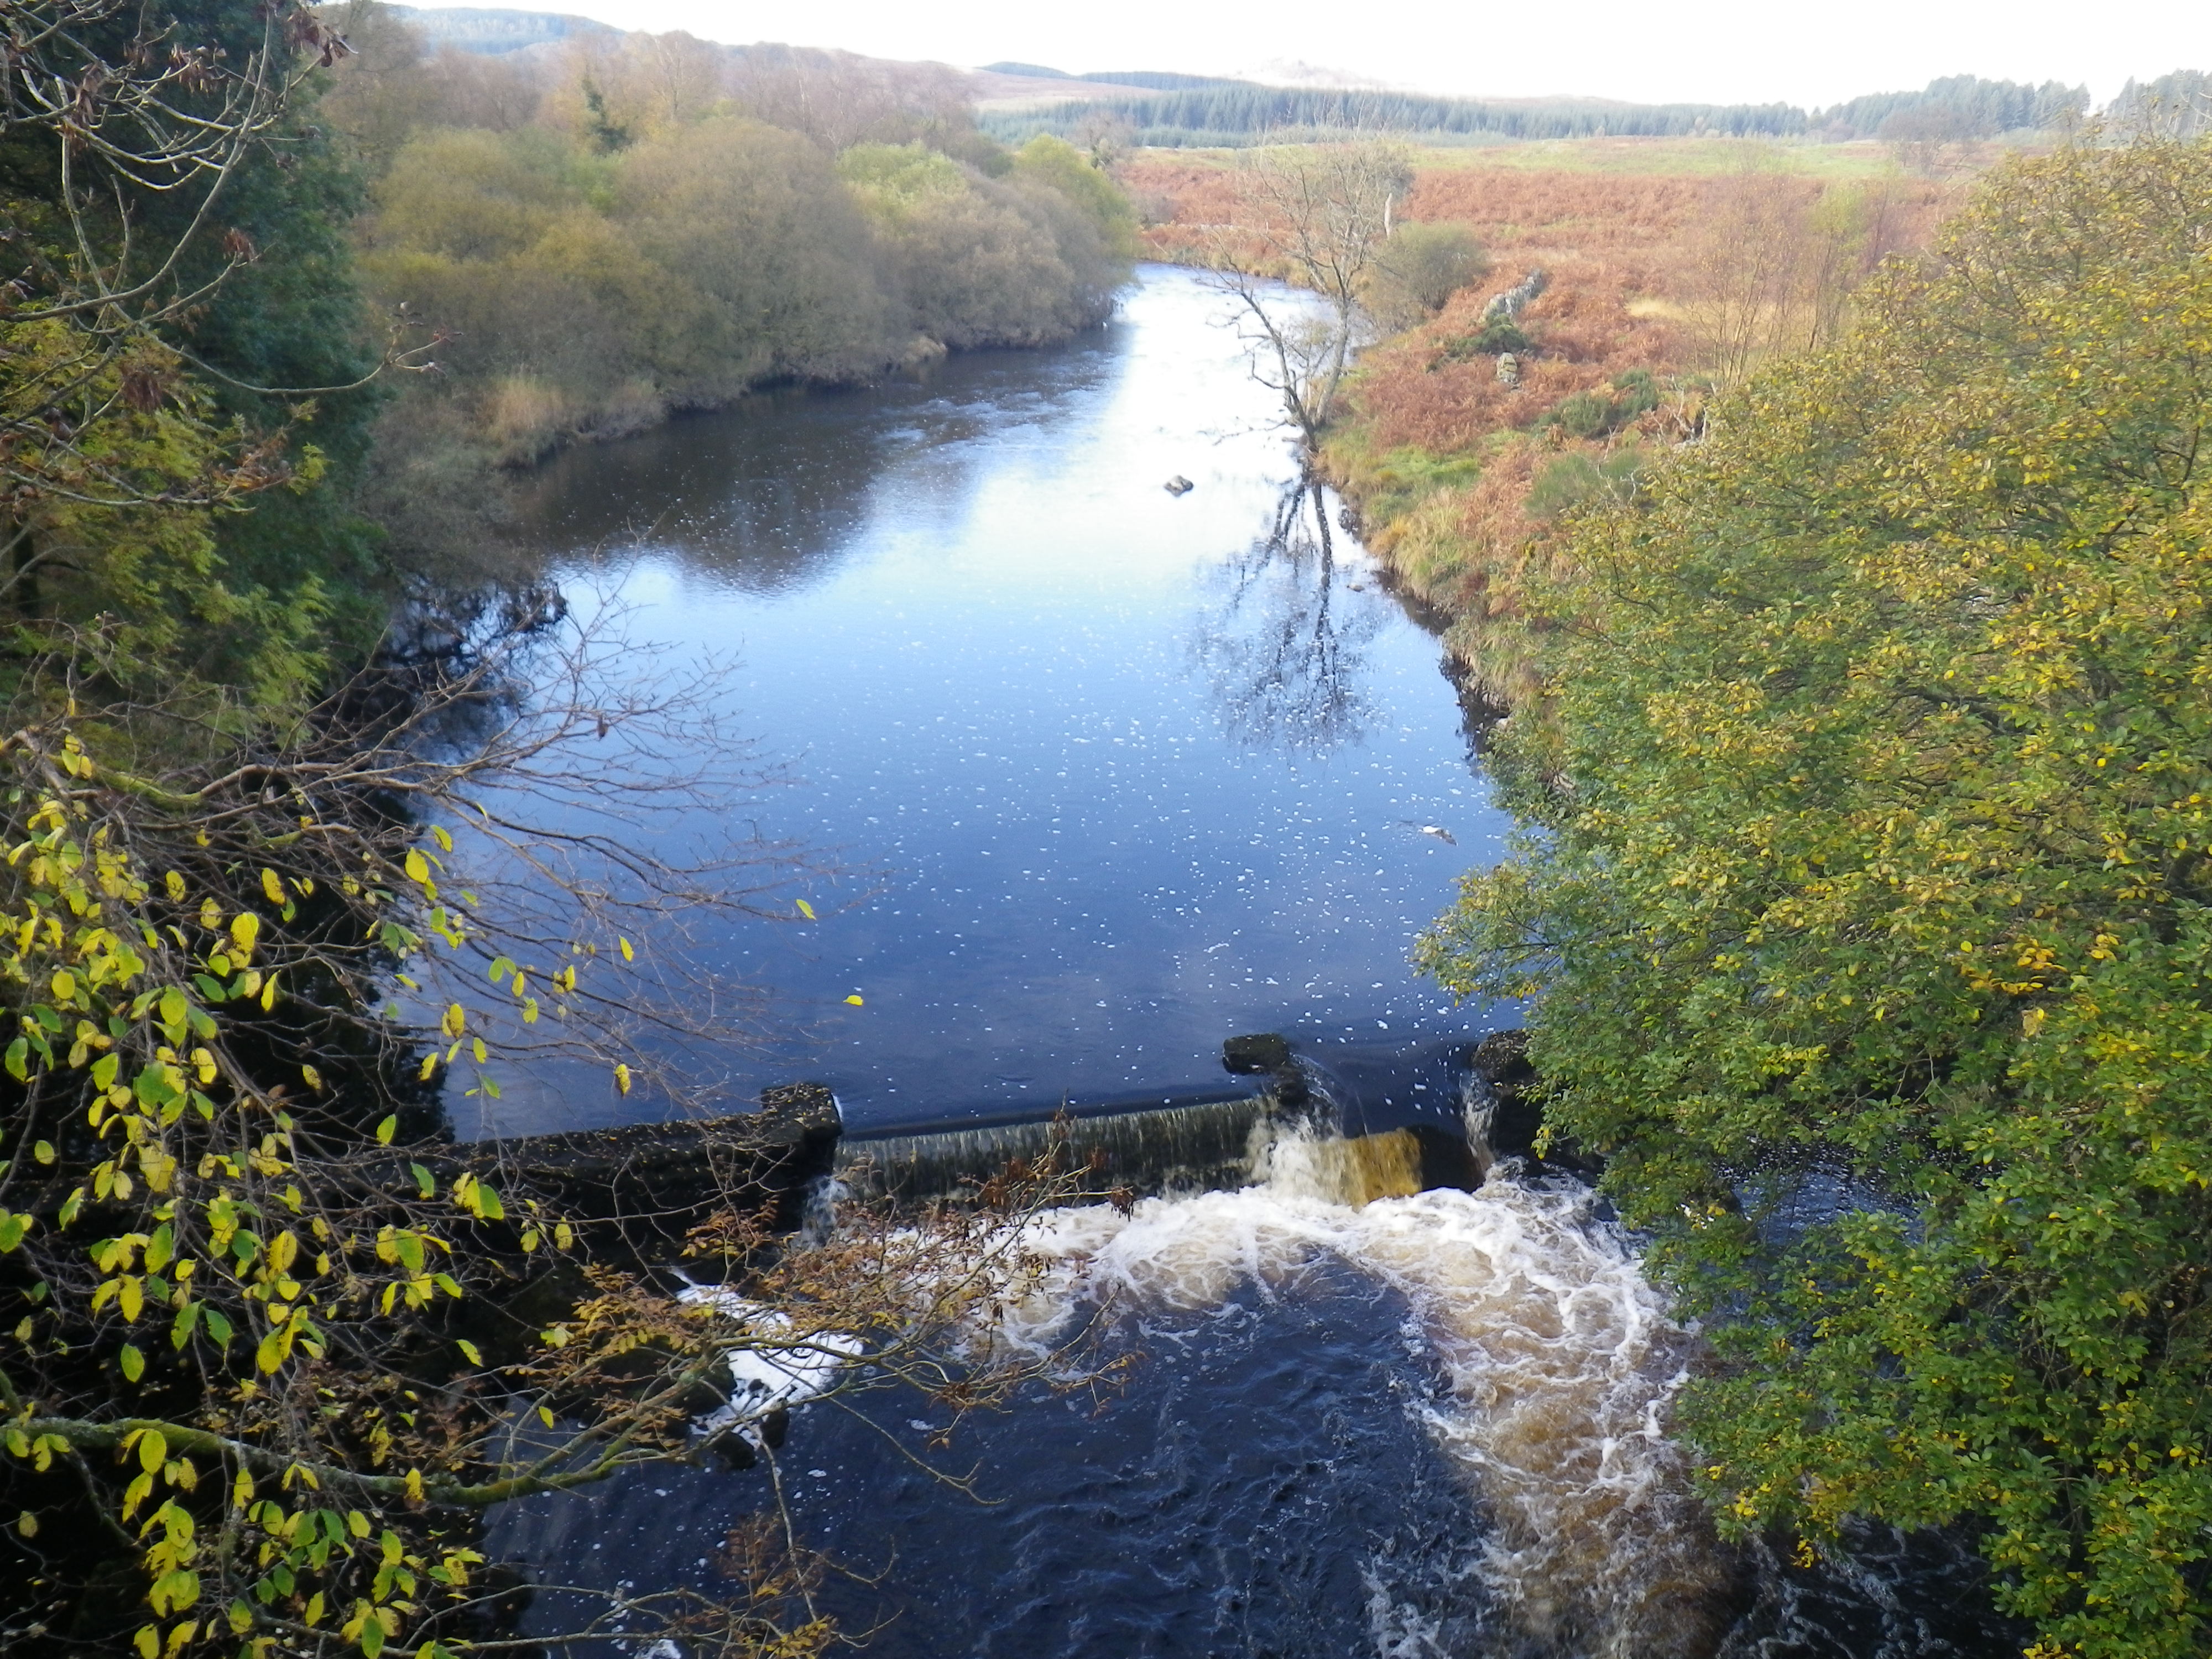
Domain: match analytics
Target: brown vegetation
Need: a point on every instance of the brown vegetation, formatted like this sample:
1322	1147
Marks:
1659	289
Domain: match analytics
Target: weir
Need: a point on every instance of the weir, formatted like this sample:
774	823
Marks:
1192	1147
1400	1113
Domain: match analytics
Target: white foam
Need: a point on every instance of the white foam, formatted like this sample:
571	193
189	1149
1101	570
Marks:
1558	1358
764	1373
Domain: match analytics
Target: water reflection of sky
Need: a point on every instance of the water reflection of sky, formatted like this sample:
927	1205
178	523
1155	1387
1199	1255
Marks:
1137	772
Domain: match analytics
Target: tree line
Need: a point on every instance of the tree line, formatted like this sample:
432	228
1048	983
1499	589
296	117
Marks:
1960	106
652	223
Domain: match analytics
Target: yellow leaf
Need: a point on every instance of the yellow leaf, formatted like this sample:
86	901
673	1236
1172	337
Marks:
245	929
628	955
856	1002
429	1065
470	1353
418	868
805	909
445	841
272	885
314	1078
622	1078
2032	1022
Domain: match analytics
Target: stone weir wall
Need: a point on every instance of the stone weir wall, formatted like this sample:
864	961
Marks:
640	1188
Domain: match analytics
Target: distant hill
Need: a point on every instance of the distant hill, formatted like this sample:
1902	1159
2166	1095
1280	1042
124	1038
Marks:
492	31
1015	100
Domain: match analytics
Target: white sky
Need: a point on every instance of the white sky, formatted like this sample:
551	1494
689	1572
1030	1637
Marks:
1646	50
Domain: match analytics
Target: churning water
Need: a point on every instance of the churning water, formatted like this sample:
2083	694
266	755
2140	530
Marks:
1413	1425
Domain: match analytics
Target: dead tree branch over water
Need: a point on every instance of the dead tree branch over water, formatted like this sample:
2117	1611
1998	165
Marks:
1314	216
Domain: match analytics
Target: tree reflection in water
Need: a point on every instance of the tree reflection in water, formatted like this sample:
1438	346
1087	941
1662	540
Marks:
1284	647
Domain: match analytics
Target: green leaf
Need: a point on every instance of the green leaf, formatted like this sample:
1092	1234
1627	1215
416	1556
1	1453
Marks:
386	1129
133	1366
18	1055
470	1353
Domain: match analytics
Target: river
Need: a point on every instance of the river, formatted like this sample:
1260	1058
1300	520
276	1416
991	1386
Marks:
1111	773
1120	772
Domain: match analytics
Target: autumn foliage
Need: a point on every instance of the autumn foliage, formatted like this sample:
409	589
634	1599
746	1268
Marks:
1868	901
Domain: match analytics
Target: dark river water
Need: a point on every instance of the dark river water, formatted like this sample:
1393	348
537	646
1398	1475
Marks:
1112	774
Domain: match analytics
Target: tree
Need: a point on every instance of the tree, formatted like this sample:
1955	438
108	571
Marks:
1777	262
1419	268
254	913
1314	216
1868	895
184	315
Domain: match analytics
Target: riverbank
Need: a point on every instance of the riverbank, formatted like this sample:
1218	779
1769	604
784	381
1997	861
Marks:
1660	271
577	246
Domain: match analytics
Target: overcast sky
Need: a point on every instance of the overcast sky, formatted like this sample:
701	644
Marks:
1705	50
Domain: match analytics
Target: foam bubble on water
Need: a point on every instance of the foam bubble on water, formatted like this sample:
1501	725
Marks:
1556	1359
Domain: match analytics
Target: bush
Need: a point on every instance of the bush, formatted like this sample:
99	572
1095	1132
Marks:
1590	415
1418	268
978	262
1574	480
1503	335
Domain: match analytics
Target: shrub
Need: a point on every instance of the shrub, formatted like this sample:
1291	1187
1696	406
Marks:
1418	269
1573	480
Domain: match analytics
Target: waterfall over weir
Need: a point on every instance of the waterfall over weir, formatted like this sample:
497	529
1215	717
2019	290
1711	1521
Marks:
1552	1361
1369	1414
